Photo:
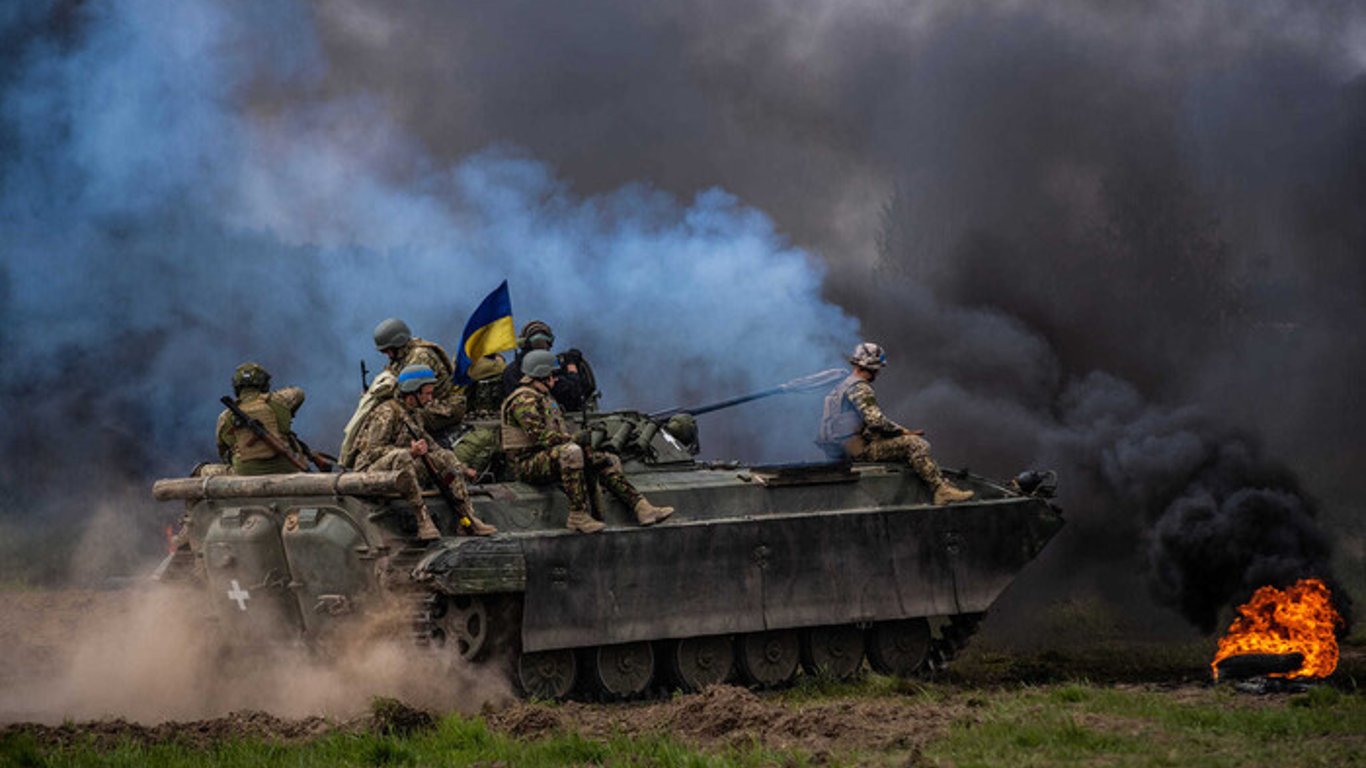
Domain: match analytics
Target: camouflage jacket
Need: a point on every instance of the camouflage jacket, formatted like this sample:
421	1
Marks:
238	446
391	424
537	415
449	406
875	423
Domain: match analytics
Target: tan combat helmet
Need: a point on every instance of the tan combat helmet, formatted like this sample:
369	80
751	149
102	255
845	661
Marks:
869	355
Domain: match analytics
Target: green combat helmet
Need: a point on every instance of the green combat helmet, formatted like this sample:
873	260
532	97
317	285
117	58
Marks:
536	335
538	364
412	377
392	334
250	376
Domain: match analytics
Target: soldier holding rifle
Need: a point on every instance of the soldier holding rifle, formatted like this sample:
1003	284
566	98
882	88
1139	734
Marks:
393	437
254	433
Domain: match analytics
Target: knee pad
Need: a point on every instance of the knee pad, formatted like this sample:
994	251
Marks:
569	455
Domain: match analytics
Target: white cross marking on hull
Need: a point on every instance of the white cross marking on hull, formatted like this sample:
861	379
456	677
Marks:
239	594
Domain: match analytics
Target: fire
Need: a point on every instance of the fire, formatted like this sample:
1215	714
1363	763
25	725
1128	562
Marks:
1300	619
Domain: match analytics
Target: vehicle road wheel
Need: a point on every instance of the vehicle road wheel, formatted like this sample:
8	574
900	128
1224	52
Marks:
898	647
835	652
465	623
697	662
769	659
623	671
547	674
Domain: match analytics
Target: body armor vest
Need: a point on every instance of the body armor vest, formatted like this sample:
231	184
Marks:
247	446
840	420
514	437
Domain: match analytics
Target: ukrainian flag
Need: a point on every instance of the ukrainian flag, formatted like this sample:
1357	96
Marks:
490	329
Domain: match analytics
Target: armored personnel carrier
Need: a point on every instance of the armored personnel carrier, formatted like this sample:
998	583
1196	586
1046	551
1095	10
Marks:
763	571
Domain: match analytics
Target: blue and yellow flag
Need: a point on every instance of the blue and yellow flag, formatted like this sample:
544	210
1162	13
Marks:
490	329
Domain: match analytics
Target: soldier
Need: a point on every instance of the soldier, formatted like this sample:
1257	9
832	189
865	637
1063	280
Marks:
540	449
238	445
854	427
396	341
477	443
575	389
393	437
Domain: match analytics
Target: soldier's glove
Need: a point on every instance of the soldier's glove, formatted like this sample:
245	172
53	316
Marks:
584	438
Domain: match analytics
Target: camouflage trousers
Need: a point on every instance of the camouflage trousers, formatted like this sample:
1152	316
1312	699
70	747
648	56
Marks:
413	474
569	464
912	449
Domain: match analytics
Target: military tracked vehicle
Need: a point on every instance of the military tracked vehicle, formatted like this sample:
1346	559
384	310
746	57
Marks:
763	571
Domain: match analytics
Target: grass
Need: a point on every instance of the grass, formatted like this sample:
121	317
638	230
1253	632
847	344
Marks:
1076	723
1080	724
454	741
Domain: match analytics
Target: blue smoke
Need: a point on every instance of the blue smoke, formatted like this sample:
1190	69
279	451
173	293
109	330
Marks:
176	197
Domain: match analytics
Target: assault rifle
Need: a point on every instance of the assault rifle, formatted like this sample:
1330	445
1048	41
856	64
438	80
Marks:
264	435
442	480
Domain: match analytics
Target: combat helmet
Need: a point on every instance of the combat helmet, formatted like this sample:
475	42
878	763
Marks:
412	377
250	376
536	332
392	334
869	355
538	364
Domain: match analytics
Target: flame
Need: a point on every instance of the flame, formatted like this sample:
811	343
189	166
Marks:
1300	619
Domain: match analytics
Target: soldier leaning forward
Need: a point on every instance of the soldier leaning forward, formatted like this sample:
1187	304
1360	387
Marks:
853	426
540	449
237	444
392	437
396	341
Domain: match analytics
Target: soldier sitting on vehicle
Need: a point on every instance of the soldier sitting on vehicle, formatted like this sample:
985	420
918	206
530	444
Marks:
575	388
393	437
853	427
477	444
396	341
243	449
540	449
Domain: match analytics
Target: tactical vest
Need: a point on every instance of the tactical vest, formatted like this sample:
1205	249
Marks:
246	445
444	384
840	420
514	437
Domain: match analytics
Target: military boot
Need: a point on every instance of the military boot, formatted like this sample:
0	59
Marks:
581	521
649	514
477	527
471	525
426	529
946	493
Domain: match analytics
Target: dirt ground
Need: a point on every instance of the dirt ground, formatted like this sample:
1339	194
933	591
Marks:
46	632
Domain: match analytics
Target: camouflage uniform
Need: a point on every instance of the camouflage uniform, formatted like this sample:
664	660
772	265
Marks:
247	453
447	410
855	426
551	453
383	443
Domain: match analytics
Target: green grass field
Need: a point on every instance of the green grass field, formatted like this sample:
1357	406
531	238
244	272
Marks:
1065	724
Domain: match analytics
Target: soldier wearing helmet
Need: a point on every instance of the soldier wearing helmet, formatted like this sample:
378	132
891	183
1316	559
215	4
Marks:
396	341
576	389
393	437
541	449
239	446
854	427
